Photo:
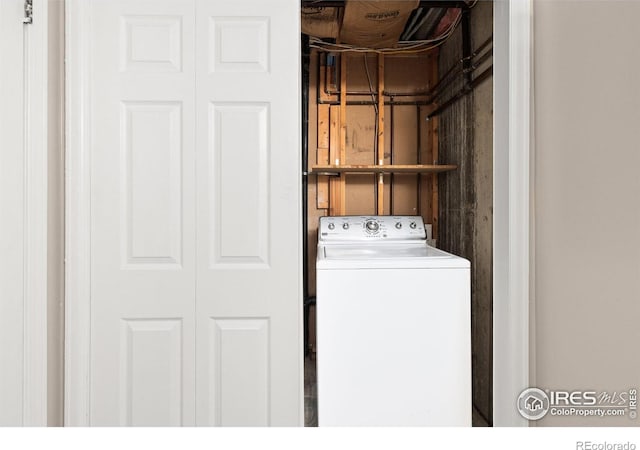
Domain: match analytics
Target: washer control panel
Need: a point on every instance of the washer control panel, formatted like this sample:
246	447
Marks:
377	228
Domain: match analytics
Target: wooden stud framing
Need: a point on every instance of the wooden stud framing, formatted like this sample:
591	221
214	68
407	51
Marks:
335	187
332	152
322	183
380	152
322	81
343	128
333	169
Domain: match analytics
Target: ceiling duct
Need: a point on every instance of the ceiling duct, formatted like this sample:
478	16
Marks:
375	24
429	23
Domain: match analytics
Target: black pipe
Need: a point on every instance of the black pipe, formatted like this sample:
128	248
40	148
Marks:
463	92
371	103
482	46
478	62
450	75
466	46
305	185
391	148
419	158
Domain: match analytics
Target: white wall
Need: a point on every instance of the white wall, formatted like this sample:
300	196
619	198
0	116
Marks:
31	227
587	199
12	214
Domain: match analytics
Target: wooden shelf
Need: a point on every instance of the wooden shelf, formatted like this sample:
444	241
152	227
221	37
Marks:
387	168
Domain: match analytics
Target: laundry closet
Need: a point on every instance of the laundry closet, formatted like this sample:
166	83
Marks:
397	120
166	268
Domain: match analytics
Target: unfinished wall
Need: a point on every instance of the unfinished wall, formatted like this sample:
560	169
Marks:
587	214
408	139
466	195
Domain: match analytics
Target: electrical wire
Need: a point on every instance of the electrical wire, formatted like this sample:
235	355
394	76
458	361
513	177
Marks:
403	46
373	98
375	106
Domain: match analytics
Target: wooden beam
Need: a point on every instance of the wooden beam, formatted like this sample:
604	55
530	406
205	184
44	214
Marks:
322	183
335	191
381	168
343	129
322	80
380	151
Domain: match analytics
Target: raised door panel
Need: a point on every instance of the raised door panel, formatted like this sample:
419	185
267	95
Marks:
249	271
151	372
239	44
142	213
151	43
239	185
239	367
151	186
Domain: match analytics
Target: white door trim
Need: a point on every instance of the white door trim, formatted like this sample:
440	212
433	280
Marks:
512	207
77	215
36	196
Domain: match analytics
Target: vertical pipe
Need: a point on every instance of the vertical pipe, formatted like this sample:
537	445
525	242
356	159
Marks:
419	161
305	184
391	127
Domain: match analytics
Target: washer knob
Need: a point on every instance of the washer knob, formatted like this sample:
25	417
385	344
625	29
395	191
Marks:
372	225
331	226
398	225
413	225
345	226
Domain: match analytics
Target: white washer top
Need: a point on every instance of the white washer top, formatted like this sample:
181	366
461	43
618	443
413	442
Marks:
378	242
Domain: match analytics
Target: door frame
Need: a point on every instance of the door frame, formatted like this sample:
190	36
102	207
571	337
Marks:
513	207
36	150
33	321
512	210
77	215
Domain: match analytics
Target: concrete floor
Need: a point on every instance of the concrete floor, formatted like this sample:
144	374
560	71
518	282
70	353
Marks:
310	393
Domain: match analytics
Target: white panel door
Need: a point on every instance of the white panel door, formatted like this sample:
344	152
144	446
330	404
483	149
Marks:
143	271
12	212
194	210
248	253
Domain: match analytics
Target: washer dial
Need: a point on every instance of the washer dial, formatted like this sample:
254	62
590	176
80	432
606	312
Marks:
372	226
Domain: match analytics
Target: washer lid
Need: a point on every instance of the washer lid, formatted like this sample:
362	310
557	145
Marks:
389	251
383	256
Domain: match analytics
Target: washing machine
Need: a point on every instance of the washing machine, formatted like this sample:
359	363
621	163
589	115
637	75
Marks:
393	325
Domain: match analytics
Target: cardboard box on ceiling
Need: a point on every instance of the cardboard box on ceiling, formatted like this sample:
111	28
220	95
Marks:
320	22
375	24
